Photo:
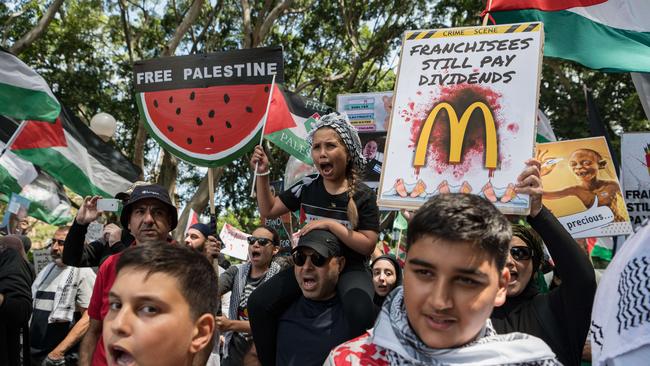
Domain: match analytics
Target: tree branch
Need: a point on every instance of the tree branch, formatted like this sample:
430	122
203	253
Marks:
274	14
182	28
246	22
318	81
38	30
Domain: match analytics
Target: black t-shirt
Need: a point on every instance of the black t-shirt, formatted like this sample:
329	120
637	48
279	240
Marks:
314	202
308	330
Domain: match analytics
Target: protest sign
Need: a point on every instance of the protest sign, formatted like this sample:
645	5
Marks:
234	241
373	144
463	117
209	109
16	212
581	187
368	112
635	172
41	258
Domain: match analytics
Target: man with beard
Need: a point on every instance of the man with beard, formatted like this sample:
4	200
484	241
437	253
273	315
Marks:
200	237
61	296
150	216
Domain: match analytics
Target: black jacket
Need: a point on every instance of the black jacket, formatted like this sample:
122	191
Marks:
15	285
560	317
77	254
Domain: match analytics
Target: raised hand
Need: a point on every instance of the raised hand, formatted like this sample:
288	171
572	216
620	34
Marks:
530	182
260	159
88	211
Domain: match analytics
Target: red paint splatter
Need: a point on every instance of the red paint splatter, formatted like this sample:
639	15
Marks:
460	97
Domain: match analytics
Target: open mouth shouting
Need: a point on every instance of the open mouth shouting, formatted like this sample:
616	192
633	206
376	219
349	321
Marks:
255	254
309	283
326	168
120	357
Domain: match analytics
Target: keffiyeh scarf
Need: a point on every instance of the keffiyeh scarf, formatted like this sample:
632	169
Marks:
66	291
403	347
347	132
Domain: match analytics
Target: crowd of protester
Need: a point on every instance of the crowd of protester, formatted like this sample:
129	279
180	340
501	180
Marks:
471	291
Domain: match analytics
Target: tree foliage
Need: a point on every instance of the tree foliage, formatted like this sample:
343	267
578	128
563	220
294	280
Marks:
87	52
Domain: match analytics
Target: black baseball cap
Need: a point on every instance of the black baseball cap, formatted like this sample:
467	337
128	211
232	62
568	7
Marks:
322	241
149	191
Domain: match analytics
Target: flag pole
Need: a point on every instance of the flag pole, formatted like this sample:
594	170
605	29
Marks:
13	138
264	119
211	191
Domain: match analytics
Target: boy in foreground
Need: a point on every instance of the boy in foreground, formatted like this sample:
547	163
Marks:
457	245
159	313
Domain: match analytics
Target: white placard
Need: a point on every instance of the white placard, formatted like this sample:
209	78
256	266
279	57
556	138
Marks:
463	117
235	242
635	171
41	258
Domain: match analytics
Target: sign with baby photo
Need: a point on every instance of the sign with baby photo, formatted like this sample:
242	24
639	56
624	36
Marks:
581	187
463	116
368	112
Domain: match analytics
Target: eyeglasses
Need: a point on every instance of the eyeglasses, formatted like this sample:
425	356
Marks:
261	241
58	241
521	253
299	258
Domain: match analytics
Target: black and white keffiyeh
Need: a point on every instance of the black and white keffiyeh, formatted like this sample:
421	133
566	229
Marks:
403	347
347	132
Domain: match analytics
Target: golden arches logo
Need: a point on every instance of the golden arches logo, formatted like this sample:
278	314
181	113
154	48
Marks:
457	134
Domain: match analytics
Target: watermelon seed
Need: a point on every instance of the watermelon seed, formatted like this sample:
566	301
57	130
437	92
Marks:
211	138
178	110
249	109
170	128
228	124
192	96
189	141
266	89
226	98
155	103
211	113
171	99
198	121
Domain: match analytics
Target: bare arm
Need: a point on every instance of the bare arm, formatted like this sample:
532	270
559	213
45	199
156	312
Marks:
268	205
76	333
89	342
569	191
239	326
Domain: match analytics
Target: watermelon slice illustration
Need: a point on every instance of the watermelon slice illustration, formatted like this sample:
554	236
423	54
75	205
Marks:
212	126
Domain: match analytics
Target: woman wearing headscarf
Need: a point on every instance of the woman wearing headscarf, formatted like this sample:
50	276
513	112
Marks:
559	317
386	275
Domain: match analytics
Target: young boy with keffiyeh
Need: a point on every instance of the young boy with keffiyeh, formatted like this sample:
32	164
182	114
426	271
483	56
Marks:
457	245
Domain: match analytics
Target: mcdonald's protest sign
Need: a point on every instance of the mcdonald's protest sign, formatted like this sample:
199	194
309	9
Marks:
581	187
635	172
464	115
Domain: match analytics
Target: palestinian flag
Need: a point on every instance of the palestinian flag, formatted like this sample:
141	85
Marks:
608	35
48	200
72	154
292	137
24	94
544	129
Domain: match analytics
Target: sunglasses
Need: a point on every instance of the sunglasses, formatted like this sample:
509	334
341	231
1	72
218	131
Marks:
521	253
299	258
261	241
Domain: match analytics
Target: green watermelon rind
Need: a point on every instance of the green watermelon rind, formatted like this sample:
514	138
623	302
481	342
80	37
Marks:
210	160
